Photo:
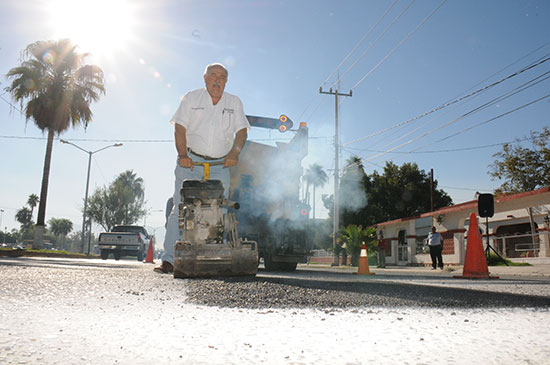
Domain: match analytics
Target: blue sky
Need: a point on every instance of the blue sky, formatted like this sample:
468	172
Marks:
278	54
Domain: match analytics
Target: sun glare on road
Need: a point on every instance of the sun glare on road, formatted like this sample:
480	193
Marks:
100	27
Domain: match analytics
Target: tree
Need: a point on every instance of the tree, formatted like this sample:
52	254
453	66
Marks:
32	202
401	192
9	237
120	203
24	217
61	227
315	176
354	237
523	169
398	193
58	90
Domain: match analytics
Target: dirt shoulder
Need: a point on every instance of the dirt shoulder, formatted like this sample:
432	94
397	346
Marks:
42	253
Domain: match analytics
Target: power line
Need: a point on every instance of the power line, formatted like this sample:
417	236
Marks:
504	96
540	61
479	108
375	41
446	150
447	124
518	89
399	45
451	102
488	121
344	60
508	66
95	140
361	41
483	106
12	105
315	109
141	140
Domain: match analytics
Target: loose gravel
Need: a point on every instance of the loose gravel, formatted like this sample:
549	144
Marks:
272	292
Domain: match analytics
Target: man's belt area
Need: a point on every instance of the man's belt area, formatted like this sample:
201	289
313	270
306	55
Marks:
208	158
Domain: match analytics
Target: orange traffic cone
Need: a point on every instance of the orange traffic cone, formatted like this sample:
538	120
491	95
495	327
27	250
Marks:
149	258
364	262
475	264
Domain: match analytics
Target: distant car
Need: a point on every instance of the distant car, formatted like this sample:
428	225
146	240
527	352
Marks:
124	240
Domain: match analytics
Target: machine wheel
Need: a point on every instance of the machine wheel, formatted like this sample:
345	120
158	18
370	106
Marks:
104	254
287	266
278	266
116	254
269	264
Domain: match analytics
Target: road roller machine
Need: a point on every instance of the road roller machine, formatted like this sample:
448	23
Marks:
210	244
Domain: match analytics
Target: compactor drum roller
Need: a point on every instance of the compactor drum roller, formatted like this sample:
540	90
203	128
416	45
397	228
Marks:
210	245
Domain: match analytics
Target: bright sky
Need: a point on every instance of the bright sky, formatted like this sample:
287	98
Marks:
399	66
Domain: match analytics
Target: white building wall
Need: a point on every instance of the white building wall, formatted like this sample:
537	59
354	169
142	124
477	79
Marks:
509	210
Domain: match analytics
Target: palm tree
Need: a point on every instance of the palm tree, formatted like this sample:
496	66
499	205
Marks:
355	236
58	90
33	202
130	180
61	227
24	216
132	193
316	177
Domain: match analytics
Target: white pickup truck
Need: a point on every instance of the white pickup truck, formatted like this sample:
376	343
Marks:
124	241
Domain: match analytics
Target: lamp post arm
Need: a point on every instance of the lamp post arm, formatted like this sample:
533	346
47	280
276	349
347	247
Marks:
104	148
72	144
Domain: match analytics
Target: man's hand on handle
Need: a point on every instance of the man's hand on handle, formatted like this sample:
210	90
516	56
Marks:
231	159
185	161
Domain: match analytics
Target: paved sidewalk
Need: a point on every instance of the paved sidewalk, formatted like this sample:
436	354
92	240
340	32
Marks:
538	270
542	270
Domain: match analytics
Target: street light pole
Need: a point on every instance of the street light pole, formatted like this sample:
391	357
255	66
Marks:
86	202
90	153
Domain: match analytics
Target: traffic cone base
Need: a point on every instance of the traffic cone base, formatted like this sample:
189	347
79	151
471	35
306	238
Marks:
364	263
149	258
473	277
475	264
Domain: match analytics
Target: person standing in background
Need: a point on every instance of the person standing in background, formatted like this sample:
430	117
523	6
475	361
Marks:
435	242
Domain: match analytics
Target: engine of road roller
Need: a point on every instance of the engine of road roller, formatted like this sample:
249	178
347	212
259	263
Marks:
211	245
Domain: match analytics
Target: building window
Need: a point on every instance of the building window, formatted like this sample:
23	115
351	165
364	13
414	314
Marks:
402	249
402	240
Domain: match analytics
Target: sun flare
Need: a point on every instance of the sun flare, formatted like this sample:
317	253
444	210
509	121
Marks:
100	27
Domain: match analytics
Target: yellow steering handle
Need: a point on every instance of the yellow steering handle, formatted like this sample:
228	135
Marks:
206	167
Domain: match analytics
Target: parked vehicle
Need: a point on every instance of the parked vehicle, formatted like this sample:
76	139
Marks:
124	240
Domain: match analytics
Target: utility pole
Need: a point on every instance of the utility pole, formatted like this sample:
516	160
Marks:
336	212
